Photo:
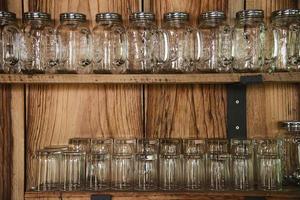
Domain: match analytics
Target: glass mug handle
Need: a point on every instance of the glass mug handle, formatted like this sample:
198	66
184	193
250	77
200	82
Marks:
162	55
198	45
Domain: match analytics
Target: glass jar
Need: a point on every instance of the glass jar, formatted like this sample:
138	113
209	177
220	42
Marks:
194	164
39	46
80	144
248	41
9	43
109	42
75	44
286	26
170	164
215	53
147	45
181	42
291	152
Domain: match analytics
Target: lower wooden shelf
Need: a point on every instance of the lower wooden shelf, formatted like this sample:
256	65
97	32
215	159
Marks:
288	194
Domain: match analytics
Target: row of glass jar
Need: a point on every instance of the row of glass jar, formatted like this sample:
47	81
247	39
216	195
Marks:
167	164
212	46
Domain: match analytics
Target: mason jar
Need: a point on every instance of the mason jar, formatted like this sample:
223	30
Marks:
75	44
215	50
248	41
109	42
39	50
286	26
147	45
9	43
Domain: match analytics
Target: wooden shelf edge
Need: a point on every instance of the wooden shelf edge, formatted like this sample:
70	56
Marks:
291	77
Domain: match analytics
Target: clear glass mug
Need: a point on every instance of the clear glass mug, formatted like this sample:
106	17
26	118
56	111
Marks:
146	164
123	164
170	164
110	44
39	43
9	43
194	159
248	41
75	44
99	164
214	50
269	163
147	45
218	164
242	167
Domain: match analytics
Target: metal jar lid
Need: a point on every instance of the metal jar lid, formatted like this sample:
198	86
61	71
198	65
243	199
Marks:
142	16
7	15
285	13
37	16
291	126
72	16
176	16
108	17
212	15
245	14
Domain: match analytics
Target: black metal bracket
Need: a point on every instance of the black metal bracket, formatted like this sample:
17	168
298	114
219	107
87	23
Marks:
101	197
255	198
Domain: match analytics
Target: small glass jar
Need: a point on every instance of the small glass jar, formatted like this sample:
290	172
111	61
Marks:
181	42
99	165
146	165
75	44
248	41
147	45
170	164
291	155
9	43
109	42
39	46
215	53
269	163
218	164
286	26
242	168
194	164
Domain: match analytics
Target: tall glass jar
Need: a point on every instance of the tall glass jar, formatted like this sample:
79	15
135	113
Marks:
39	43
147	45
75	43
248	41
286	26
109	42
181	42
216	43
9	43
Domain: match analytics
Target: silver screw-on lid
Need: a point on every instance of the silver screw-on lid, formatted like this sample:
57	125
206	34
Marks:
7	15
72	16
285	13
245	14
108	17
291	126
212	15
37	16
142	16
176	16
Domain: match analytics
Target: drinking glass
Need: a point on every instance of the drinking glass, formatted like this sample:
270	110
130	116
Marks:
123	164
218	164
194	164
269	164
170	164
146	164
242	169
98	164
41	157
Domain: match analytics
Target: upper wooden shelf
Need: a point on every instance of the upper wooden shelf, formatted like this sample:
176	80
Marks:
291	77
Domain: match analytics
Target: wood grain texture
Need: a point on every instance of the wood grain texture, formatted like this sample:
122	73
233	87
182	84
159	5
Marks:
56	113
186	111
268	104
15	6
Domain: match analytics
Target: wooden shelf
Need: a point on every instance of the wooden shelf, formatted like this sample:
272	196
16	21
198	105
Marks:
228	195
291	77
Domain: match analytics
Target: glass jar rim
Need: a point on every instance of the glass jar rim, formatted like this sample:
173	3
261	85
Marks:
285	13
108	17
142	16
170	16
218	15
249	14
10	16
37	16
71	16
